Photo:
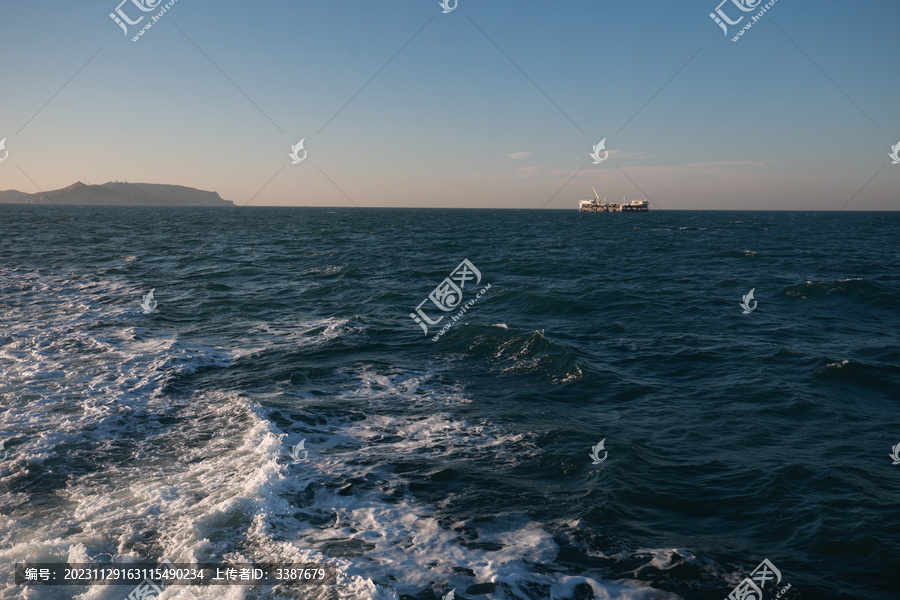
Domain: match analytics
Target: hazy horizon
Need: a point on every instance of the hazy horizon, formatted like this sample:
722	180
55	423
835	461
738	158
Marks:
488	106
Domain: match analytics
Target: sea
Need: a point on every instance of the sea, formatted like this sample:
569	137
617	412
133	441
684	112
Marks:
439	404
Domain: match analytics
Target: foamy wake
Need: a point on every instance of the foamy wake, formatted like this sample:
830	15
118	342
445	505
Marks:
137	473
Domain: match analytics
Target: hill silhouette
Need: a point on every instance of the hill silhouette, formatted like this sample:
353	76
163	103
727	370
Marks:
118	193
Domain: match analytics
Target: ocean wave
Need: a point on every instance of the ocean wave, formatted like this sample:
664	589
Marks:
207	477
265	335
870	375
512	351
354	507
837	365
737	254
839	287
326	270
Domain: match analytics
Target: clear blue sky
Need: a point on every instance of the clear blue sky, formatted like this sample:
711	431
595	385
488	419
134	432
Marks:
451	121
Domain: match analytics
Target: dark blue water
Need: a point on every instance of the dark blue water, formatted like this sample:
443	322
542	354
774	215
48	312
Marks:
462	463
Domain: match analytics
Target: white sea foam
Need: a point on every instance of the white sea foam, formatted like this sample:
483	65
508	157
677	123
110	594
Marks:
572	377
303	333
142	473
837	365
325	270
663	558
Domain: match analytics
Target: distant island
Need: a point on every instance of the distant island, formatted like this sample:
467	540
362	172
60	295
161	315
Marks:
117	193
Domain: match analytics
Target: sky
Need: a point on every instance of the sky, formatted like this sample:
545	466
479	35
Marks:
492	105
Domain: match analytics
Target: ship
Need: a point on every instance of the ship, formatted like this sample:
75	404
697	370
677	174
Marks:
595	205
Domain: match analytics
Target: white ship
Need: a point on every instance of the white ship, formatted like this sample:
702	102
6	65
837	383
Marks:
595	205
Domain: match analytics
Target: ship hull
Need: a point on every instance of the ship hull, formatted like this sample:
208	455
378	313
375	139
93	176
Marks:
613	208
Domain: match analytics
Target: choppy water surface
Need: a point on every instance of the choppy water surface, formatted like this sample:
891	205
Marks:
464	462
